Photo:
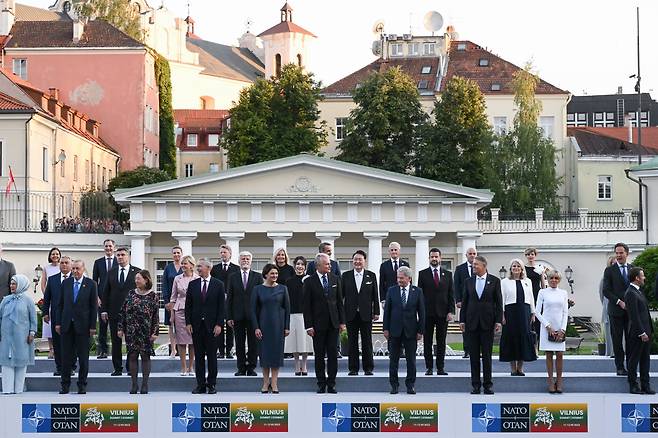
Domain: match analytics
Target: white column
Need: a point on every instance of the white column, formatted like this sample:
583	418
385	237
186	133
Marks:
185	239
233	240
465	240
422	239
329	237
279	239
375	249
138	247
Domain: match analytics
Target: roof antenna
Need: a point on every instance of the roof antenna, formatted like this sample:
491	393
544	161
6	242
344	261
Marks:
188	8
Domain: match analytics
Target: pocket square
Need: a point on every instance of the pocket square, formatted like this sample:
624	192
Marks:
333	285
369	282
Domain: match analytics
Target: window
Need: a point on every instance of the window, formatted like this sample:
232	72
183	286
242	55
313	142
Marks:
576	119
2	157
414	49
495	86
20	68
299	59
546	123
277	64
214	168
61	165
604	188
45	162
109	175
500	125
423	84
192	140
429	49
87	173
396	49
341	123
604	120
461	47
213	140
426	69
98	176
104	181
483	62
189	170
75	168
644	118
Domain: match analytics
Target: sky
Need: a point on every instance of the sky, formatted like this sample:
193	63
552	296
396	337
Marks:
584	46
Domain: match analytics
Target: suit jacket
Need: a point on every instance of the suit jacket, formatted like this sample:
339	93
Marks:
335	268
410	318
614	287
7	270
51	296
639	317
460	277
83	311
238	301
115	294
322	311
388	277
365	301
482	313
206	314
221	274
439	300
99	273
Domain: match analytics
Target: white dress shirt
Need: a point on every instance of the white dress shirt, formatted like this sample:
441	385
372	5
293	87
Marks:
358	279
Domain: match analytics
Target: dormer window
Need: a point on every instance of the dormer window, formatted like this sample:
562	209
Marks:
192	140
423	84
483	62
429	49
396	49
461	47
426	69
495	86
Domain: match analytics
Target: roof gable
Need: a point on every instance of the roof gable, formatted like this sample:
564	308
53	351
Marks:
286	27
597	143
227	61
59	34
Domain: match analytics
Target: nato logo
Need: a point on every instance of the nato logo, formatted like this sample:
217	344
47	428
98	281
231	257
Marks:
35	418
335	417
200	417
636	417
485	417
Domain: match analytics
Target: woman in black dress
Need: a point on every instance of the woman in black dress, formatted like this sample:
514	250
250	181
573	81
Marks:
280	260
517	341
535	273
270	316
139	321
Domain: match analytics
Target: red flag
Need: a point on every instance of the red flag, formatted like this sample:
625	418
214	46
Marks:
10	182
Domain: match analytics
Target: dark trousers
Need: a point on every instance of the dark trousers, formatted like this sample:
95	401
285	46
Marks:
394	344
117	344
639	353
244	331
225	341
480	342
439	325
355	327
57	352
618	329
205	346
101	345
324	343
75	345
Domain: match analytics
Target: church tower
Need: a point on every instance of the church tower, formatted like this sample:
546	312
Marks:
285	43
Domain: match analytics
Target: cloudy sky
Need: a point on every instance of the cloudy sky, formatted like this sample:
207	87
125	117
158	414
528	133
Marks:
584	46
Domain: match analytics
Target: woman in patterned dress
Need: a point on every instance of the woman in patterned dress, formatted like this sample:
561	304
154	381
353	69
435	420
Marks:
177	308
139	322
52	268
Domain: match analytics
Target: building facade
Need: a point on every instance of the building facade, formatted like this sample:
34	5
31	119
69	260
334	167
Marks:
198	134
612	110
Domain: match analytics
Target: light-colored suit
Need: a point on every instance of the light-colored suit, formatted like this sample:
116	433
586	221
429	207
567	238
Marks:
7	270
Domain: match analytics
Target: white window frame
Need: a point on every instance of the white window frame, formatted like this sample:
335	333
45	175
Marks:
547	124
45	163
500	125
87	173
413	49
397	49
341	128
19	67
189	170
578	120
192	144
75	168
604	184
484	62
429	48
426	70
213	168
210	144
644	118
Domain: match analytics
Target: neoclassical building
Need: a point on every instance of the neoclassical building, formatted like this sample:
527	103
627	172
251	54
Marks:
298	202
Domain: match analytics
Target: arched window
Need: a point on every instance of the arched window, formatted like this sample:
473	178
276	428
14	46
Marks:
299	59
277	64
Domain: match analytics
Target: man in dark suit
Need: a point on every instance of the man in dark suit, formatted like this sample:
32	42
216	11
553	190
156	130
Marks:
462	273
51	298
238	314
324	316
404	319
102	266
204	318
7	270
437	287
120	280
388	270
76	322
324	248
639	333
361	309
615	284
481	315
221	271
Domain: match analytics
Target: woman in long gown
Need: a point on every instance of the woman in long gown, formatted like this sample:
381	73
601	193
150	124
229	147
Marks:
270	315
170	272
299	343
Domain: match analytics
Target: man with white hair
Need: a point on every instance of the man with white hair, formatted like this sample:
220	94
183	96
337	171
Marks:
239	287
388	270
7	270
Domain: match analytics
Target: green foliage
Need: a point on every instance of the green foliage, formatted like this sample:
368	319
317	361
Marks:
522	162
648	261
571	332
137	177
96	205
167	135
654	337
276	118
387	125
458	138
119	13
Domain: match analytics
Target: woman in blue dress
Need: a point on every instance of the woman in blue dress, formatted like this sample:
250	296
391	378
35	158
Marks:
270	315
170	272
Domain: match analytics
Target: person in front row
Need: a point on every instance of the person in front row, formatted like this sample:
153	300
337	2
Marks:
324	316
640	331
481	315
204	319
404	321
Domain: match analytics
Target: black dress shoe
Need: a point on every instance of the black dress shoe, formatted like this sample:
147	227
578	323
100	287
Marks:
353	373
465	356
648	391
441	373
251	373
144	389
475	390
116	373
411	390
520	373
133	389
240	373
636	390
212	389
488	391
622	372
82	389
321	389
298	373
229	356
369	373
64	390
57	373
304	373
429	372
199	390
102	356
332	390
394	389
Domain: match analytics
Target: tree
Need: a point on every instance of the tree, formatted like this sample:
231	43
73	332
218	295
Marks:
119	13
386	127
648	261
167	155
522	162
137	177
458	138
276	118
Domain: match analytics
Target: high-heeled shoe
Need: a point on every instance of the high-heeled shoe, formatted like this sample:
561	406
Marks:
275	391
133	388
144	389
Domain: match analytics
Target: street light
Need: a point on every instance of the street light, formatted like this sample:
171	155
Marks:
38	271
568	274
61	158
502	273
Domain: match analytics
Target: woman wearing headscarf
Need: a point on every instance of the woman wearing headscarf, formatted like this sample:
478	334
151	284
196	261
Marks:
18	325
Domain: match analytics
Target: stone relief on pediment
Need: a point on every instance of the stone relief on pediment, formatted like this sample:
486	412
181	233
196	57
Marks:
303	184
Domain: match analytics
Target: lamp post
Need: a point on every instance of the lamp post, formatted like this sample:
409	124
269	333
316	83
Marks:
502	273
38	271
60	159
568	274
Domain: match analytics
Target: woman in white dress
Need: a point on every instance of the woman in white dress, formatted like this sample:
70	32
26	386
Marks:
552	312
298	342
51	268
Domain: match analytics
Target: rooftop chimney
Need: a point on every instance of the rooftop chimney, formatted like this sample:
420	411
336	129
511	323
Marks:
620	90
78	30
7	16
627	122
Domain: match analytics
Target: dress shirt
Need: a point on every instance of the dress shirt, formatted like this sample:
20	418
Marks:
63	277
470	270
126	269
393	262
358	279
479	284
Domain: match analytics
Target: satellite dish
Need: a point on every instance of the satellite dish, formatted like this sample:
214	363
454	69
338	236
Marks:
377	47
378	27
433	21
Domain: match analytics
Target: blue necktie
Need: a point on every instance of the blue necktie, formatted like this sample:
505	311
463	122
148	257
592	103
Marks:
325	284
479	286
76	289
404	297
624	273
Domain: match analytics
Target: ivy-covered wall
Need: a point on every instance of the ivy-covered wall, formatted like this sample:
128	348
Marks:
167	135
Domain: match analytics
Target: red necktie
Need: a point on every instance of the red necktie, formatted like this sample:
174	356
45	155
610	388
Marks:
204	290
436	277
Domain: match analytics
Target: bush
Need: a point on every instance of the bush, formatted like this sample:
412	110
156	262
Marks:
648	260
654	337
96	205
571	332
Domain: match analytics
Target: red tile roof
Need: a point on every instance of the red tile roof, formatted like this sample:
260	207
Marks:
465	63
649	135
284	27
97	33
9	104
592	142
200	119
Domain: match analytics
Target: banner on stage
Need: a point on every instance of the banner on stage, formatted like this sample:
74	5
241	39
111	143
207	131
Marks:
380	417
529	417
229	417
79	418
639	417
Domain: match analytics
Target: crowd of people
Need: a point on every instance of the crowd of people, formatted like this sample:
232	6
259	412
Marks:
301	308
84	225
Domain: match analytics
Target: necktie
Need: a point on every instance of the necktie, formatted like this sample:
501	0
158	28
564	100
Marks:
404	297
244	280
436	277
470	270
122	276
395	266
76	289
64	277
325	284
204	290
358	280
479	287
225	267
109	264
624	273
